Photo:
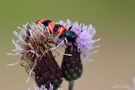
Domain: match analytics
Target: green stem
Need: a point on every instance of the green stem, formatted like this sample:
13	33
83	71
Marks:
71	85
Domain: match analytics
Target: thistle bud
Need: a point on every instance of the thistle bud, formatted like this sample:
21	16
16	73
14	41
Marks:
34	47
48	72
80	46
71	65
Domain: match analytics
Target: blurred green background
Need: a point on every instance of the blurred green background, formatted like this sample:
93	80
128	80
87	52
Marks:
114	21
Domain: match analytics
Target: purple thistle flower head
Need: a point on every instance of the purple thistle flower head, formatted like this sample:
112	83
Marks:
84	40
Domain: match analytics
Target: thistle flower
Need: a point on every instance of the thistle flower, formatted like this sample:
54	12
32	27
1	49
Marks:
71	65
34	47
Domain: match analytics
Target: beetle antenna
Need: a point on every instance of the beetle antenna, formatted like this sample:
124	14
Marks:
79	32
70	28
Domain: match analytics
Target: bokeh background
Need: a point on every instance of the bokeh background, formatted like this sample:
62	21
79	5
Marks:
114	20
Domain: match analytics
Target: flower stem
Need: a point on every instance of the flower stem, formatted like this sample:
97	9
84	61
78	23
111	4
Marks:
71	85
